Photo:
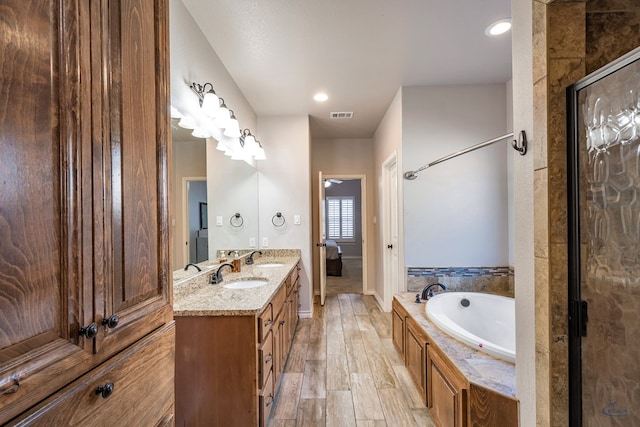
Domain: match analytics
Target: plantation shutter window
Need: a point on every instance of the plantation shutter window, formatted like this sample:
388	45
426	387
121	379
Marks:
340	218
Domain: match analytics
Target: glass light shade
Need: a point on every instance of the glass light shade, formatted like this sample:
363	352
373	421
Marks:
210	104
187	122
258	153
221	146
250	144
200	133
222	118
175	114
238	155
232	128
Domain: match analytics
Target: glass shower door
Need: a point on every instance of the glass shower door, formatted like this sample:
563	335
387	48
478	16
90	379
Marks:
604	236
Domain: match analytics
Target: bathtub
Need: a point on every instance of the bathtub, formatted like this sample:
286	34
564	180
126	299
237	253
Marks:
484	321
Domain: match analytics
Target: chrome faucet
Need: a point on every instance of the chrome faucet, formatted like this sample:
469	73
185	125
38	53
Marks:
249	260
186	267
427	292
217	276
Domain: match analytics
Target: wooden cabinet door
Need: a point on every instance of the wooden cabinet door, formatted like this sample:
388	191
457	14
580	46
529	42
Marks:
45	272
397	320
416	358
130	131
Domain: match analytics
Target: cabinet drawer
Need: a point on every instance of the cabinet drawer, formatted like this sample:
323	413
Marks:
265	359
265	320
266	401
142	378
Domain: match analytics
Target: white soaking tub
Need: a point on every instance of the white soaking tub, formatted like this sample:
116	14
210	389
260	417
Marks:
484	321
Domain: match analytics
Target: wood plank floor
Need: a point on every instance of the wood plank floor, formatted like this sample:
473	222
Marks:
344	371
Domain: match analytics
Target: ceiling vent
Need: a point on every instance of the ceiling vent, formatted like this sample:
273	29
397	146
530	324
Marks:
342	115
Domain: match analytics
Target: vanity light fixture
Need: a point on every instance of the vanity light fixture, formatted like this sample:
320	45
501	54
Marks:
258	153
175	114
233	127
239	145
187	122
207	97
498	27
222	116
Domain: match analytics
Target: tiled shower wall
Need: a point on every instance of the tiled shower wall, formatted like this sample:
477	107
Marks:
493	280
570	40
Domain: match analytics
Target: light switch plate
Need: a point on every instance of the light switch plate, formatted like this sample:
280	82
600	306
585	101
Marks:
219	221
296	219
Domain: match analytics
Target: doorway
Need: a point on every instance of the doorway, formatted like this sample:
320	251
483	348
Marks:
195	227
390	229
344	205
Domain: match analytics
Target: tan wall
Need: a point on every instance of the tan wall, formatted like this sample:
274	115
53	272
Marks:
571	39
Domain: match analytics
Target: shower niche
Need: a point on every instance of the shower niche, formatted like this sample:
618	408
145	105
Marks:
604	245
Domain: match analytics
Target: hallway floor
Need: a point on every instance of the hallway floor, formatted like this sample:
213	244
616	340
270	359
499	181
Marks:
351	280
344	371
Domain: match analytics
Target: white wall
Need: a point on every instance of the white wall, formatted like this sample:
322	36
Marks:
522	53
284	182
455	213
340	157
387	141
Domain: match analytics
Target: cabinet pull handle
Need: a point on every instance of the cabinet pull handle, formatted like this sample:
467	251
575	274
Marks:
268	322
10	387
271	401
111	322
89	332
105	390
268	358
281	322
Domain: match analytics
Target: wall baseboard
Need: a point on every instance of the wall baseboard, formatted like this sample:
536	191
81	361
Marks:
306	314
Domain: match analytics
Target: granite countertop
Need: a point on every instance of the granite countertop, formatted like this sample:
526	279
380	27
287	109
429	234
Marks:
195	296
478	367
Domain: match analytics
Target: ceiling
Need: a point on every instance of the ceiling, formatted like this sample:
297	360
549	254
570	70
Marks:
359	52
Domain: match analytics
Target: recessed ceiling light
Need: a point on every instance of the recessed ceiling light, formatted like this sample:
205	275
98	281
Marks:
320	97
498	27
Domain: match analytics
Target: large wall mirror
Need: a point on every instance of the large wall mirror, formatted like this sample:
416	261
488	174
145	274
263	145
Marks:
214	202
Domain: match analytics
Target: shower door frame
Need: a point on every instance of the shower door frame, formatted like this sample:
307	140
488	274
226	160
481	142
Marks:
578	314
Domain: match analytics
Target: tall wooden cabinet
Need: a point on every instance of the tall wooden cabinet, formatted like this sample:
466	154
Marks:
84	280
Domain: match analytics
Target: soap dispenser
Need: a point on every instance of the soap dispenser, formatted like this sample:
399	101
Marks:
235	260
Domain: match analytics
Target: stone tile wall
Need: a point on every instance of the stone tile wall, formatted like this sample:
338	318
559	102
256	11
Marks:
493	280
570	40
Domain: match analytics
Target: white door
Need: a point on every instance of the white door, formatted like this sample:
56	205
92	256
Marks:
391	230
321	245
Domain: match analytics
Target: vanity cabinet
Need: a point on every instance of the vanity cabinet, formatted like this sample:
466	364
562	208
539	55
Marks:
228	367
83	205
411	342
448	391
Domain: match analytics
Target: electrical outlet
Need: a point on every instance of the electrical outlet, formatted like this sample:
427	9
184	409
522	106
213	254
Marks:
265	242
252	242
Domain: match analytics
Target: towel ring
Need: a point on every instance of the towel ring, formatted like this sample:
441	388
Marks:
278	219
236	220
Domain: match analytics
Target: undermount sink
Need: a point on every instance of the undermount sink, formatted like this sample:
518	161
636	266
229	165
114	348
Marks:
246	284
270	264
